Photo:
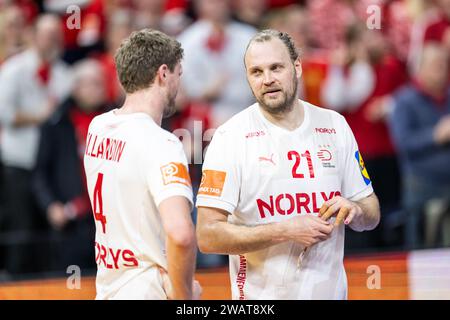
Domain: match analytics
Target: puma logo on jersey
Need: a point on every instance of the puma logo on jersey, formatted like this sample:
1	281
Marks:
175	172
270	160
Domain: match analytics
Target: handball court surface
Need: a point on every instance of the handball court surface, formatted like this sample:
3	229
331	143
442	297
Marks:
415	275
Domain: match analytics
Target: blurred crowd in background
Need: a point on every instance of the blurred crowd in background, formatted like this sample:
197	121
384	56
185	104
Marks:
391	81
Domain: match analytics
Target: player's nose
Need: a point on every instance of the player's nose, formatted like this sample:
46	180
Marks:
268	78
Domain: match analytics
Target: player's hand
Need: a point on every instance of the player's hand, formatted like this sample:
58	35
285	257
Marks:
196	290
344	210
307	230
378	109
167	286
442	131
48	110
56	215
214	91
340	56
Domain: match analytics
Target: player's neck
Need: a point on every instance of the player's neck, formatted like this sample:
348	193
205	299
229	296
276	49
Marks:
289	120
143	101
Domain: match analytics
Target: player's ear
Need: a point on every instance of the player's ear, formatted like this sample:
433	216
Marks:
298	68
162	72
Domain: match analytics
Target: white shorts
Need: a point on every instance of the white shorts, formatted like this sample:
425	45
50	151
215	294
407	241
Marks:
147	285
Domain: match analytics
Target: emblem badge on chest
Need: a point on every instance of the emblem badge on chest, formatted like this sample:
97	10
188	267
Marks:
326	156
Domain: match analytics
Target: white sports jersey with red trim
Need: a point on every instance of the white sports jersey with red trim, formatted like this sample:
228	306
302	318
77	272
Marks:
261	173
131	166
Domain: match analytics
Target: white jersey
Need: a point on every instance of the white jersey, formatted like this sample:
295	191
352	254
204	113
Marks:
261	173
131	166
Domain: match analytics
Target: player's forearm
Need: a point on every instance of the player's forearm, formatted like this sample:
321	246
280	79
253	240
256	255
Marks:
24	120
371	214
226	238
181	268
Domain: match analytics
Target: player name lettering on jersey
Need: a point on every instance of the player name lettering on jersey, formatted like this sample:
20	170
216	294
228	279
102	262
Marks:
114	258
241	276
326	130
299	203
104	148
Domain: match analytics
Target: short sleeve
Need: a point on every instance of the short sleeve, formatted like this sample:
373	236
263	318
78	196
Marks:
355	180
166	171
220	185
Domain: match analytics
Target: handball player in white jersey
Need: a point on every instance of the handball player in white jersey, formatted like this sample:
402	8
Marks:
138	181
281	180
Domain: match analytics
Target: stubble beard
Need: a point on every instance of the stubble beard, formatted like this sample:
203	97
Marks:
170	108
285	105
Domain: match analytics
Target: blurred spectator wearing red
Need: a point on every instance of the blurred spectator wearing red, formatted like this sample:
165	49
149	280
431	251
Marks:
80	41
439	29
431	24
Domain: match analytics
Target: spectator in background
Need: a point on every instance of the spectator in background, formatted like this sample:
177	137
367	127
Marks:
12	32
118	28
330	33
420	126
439	30
425	14
80	41
294	20
213	68
362	75
432	24
148	14
12	41
249	12
59	183
214	81
32	84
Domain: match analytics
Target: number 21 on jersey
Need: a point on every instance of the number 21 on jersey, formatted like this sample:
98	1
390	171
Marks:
294	155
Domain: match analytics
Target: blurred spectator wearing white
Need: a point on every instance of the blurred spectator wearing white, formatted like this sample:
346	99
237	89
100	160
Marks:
32	84
213	68
59	183
420	126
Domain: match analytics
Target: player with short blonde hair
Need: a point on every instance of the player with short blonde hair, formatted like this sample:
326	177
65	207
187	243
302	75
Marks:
138	181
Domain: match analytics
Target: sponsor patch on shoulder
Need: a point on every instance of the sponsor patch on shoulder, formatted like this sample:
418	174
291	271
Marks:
362	167
212	183
175	172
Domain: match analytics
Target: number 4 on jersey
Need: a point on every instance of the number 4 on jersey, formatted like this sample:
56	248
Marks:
98	210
